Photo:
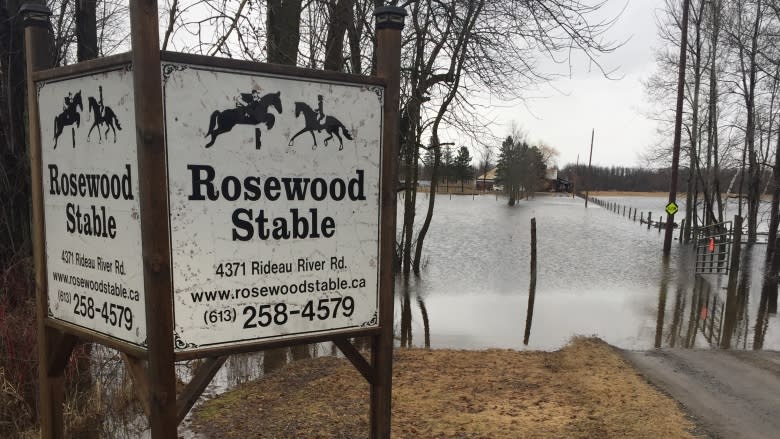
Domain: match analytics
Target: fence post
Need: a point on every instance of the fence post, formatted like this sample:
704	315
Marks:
155	240
735	255
649	220
682	226
389	23
532	285
51	389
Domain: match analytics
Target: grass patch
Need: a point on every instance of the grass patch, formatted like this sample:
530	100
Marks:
585	390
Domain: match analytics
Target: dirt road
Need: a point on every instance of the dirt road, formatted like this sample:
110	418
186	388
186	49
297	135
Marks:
733	394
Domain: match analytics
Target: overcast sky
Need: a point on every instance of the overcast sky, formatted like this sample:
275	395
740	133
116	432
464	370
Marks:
614	108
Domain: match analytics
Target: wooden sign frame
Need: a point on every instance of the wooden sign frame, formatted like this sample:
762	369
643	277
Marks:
152	367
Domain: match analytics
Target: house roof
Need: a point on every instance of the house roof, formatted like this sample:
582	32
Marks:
489	175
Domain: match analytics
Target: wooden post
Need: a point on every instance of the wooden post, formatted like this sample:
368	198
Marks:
624	210
529	315
736	247
587	178
155	238
389	23
51	389
649	220
682	226
635	214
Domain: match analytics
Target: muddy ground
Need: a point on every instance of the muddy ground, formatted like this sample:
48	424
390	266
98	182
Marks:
586	390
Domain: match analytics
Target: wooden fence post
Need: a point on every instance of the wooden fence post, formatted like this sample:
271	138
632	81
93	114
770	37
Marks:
155	240
649	220
532	285
682	226
389	23
51	388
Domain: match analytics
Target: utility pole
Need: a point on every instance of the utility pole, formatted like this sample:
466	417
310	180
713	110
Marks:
587	177
677	129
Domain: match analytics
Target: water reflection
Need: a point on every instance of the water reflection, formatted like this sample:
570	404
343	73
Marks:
406	287
706	313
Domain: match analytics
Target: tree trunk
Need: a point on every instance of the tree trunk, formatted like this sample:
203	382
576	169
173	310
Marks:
409	154
713	171
754	168
284	31
14	206
354	32
691	196
772	261
340	16
86	29
431	200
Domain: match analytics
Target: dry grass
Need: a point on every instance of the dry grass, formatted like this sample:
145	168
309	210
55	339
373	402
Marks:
585	390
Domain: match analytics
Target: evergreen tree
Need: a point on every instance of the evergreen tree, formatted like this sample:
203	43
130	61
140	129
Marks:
461	166
520	168
508	169
446	164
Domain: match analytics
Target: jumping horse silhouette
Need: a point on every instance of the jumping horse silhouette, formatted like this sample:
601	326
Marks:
108	117
253	113
69	116
331	126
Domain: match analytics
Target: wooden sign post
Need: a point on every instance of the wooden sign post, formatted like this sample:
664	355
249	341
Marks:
202	207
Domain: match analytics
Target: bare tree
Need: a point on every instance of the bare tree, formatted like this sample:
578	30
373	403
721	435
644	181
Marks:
485	162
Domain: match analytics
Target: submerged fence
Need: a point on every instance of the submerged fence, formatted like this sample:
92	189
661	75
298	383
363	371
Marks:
634	214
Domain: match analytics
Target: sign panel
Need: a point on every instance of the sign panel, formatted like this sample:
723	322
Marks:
274	204
671	208
91	206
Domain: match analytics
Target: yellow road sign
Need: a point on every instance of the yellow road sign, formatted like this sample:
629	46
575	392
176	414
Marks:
672	208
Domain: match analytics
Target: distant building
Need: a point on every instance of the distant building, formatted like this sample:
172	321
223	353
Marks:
554	183
486	181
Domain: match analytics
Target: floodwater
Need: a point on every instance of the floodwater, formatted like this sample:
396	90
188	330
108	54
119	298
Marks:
599	273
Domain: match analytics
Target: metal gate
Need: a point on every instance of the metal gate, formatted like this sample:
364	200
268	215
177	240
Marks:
713	248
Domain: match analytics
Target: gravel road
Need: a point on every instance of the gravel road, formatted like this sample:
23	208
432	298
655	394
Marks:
731	394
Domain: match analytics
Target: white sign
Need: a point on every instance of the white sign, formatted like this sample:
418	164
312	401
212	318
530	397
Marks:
91	205
274	204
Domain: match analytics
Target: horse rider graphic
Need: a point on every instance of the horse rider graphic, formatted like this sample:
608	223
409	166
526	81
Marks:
68	100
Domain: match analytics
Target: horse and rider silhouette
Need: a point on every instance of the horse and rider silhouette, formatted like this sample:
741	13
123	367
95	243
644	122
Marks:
253	113
69	116
107	117
314	118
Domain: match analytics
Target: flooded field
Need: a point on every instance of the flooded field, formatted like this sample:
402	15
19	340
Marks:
599	273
